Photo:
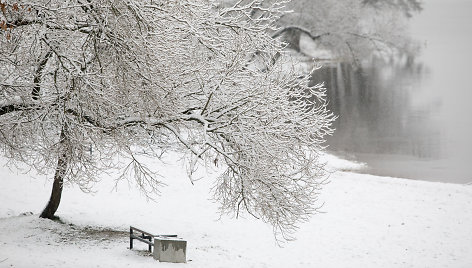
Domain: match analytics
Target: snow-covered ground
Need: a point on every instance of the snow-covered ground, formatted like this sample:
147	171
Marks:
370	221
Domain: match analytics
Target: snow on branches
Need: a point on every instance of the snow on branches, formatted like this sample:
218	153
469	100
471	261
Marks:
83	82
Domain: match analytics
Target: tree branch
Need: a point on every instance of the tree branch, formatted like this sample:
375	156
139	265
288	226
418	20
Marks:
13	105
297	28
37	76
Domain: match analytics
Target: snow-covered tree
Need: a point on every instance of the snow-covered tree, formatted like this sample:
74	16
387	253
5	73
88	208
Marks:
84	83
351	29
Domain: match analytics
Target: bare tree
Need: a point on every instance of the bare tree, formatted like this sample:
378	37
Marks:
84	83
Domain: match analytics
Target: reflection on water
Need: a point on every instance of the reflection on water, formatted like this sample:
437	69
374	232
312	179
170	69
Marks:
404	119
375	110
387	121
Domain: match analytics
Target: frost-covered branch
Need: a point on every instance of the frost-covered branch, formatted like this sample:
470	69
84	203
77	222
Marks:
132	79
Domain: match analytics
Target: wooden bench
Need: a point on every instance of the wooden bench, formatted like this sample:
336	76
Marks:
167	248
145	237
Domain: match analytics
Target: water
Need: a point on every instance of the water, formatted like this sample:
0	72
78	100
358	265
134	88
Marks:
411	118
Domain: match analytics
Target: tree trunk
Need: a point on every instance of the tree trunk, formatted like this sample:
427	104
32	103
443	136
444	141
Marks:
59	175
293	39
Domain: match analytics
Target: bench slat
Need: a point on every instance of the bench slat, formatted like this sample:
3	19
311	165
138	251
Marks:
141	239
166	235
139	230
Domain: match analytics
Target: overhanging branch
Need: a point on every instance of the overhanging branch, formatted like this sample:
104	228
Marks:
14	105
299	29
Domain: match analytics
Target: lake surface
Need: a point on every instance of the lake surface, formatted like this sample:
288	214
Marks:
411	118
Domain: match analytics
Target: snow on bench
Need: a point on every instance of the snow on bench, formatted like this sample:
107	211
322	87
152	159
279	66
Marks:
167	248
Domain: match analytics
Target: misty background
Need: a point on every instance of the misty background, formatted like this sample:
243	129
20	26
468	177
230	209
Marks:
410	117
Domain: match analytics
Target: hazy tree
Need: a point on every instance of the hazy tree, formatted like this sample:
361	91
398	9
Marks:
351	29
405	6
86	84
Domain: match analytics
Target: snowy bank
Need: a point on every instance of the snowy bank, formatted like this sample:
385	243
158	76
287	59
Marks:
370	221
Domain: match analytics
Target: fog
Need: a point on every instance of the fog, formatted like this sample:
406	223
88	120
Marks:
411	118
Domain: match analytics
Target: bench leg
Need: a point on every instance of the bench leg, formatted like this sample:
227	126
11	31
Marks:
130	238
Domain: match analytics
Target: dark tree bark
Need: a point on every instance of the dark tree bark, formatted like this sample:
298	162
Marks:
292	35
37	77
61	170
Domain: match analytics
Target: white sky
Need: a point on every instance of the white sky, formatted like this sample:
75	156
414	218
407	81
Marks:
446	29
